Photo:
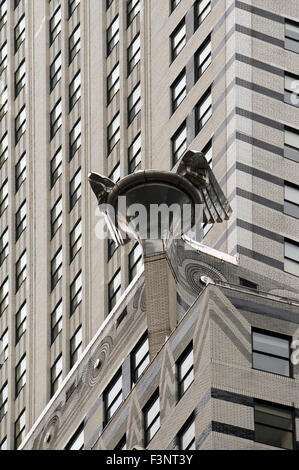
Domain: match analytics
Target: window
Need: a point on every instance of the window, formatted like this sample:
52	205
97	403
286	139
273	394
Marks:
201	10
56	167
134	103
74	43
135	154
140	358
76	292
16	3
20	171
113	132
55	71
20	78
56	321
72	6
4	296
274	425
75	138
76	346
133	8
174	4
291	199
20	124
76	240
112	247
185	372
151	418
108	3
55	25
113	397
3	149
75	188
133	53
56	375
3	444
4	342
290	86
20	33
113	83
3	57
115	174
3	197
3	400
203	58
291	257
208	153
20	429
203	110
122	445
56	268
178	40
271	352
75	90
291	144
21	270
179	143
21	321
112	35
77	441
3	246
3	13
55	118
20	375
291	41
135	261
186	436
178	90
3	103
56	217
20	220
248	284
114	289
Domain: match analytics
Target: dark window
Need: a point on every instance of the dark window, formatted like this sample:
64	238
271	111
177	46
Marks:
75	90
274	425
74	43
55	118
73	4
20	33
202	58
75	188
108	3
21	322
3	149
20	220
21	270
113	397
114	290
112	35
3	197
185	370
290	86
271	352
140	358
77	441
178	40
201	10
134	103
115	174
186	436
133	8
3	103
75	240
20	425
151	418
56	268
203	110
291	144
3	13
56	167
133	53
56	217
20	372
113	83
3	57
178	90
174	4
112	247
20	78
4	249
55	25
20	124
291	41
56	321
134	154
113	132
20	171
55	71
3	298
179	143
122	445
75	138
3	400
291	199
135	261
249	284
76	292
56	375
208	152
291	257
76	346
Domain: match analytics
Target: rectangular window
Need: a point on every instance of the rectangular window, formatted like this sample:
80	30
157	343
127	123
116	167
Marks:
291	199
4	342
20	78
20	426
112	35
75	240
74	43
174	4
186	436
3	400
134	154
56	375
112	247
75	188
20	124
20	171
179	143
56	321
291	257
140	358
203	110
113	83
75	138
4	246
271	352
20	33
56	167
134	103
20	375
108	3
185	370
77	441
3	444
76	346
3	149
291	82
76	292
3	103
21	220
56	217
291	41
178	90
115	174
291	144
73	4
133	53
208	152
3	57
21	322
274	425
4	296
75	90
3	13
133	8
55	118
135	261
21	270
3	197
56	268
113	397
114	290
55	71
113	132
203	58
55	25
178	40
151	418
201	10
